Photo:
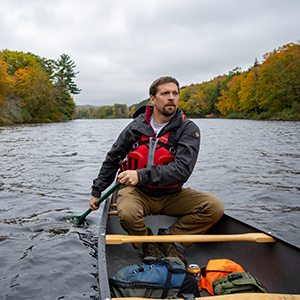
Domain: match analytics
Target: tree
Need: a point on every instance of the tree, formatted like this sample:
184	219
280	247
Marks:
229	101
248	94
18	60
120	111
34	88
65	74
279	84
36	94
5	83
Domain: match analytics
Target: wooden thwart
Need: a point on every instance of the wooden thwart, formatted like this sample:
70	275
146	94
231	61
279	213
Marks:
112	239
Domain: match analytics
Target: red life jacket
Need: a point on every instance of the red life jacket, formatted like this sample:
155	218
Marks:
152	151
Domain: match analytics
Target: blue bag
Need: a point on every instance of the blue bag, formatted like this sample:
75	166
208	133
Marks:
154	278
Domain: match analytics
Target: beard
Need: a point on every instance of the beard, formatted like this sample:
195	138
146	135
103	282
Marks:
169	110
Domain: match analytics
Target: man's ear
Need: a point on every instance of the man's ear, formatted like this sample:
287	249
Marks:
152	99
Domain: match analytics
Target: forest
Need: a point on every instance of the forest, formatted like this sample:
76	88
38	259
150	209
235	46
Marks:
35	89
267	90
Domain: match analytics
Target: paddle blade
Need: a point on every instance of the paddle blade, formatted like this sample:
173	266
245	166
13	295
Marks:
71	218
80	219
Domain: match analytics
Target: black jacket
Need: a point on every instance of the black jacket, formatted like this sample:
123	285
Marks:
187	141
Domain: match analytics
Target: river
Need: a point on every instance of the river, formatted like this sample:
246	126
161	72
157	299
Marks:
47	170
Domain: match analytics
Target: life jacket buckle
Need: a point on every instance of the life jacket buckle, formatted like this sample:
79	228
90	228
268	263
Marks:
135	145
172	150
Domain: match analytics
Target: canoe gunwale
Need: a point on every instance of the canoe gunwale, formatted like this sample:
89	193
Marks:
245	296
104	290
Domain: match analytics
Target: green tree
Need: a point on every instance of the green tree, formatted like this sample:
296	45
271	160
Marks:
66	105
65	73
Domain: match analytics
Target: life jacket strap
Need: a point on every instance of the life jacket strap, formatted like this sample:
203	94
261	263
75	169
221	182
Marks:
151	153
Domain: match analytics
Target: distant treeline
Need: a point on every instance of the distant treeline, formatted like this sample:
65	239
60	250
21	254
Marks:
117	111
35	89
270	90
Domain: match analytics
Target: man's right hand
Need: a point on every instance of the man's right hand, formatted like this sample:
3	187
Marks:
129	177
92	203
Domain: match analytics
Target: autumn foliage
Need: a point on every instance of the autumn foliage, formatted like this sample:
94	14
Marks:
34	89
270	90
266	90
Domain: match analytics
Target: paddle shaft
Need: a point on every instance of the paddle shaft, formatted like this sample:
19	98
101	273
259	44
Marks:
246	237
83	216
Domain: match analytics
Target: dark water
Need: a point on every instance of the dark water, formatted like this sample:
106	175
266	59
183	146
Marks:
47	170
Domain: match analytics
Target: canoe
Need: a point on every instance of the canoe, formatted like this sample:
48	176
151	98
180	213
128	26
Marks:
275	262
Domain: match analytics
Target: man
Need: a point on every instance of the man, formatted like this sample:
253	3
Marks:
161	147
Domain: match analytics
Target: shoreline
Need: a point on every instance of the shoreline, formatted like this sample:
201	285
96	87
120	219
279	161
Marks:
228	117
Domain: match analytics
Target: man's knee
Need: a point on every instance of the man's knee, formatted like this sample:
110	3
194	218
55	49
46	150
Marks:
216	208
130	212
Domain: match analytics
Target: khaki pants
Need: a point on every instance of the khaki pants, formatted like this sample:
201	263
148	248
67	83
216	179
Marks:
198	211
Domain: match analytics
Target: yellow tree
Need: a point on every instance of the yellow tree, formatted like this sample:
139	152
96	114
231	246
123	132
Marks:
193	101
229	101
35	91
5	83
248	91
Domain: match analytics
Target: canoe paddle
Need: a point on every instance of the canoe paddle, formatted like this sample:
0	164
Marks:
80	219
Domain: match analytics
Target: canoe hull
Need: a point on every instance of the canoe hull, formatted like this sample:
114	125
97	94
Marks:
276	265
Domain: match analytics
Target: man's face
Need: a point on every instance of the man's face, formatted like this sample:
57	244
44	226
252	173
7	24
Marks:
166	99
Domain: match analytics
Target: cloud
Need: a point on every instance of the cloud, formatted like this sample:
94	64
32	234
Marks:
120	46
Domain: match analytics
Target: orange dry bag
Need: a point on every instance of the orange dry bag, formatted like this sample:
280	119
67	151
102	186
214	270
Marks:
215	269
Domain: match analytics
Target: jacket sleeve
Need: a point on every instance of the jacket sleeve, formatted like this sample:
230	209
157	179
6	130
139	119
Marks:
178	171
110	166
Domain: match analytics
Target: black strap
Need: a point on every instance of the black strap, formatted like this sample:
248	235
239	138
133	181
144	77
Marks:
171	270
167	284
135	165
170	145
204	271
140	143
169	277
188	296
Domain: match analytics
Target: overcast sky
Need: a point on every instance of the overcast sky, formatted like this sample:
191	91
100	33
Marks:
121	46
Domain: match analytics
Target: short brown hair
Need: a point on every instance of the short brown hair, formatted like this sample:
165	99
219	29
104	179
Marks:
159	81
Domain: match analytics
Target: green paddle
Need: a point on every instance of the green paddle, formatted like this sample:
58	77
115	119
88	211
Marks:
81	219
